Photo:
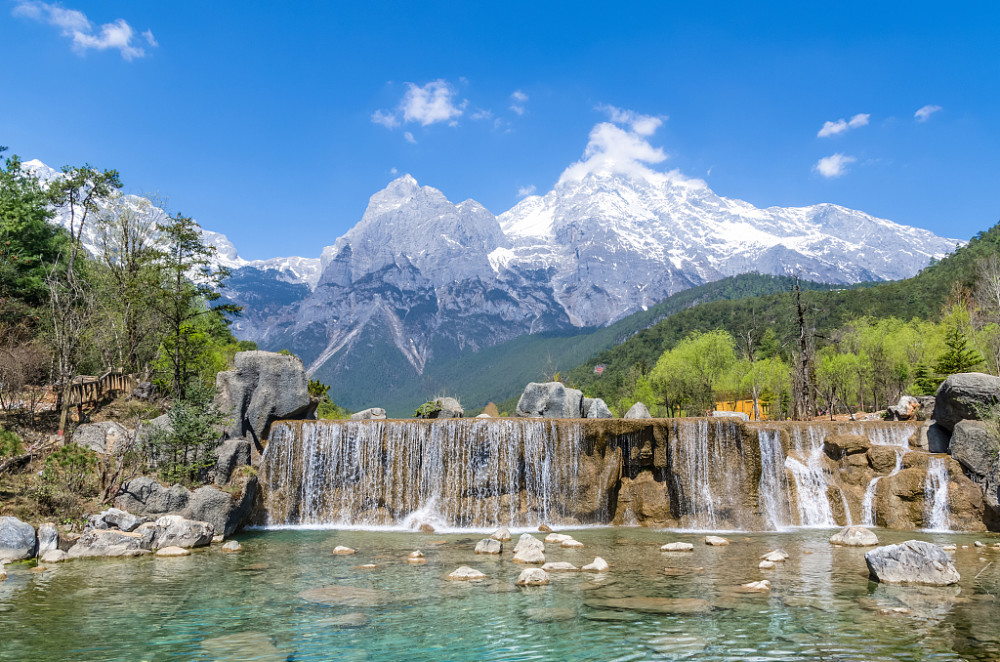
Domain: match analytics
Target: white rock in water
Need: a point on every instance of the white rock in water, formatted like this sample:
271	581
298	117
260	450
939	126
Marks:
777	556
559	566
465	573
557	537
912	562
677	547
173	551
979	544
763	586
572	543
530	555
54	556
502	534
488	546
716	541
342	551
598	565
528	541
532	577
766	565
854	536
232	547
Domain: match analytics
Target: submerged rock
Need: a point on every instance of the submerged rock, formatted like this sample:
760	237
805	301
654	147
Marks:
17	539
243	646
677	547
232	547
465	573
653	605
854	536
532	577
766	565
763	586
172	552
348	596
488	546
559	566
716	541
912	562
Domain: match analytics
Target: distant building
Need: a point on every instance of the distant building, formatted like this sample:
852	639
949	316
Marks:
599	369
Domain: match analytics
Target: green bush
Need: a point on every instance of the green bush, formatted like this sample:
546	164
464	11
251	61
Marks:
184	451
73	468
427	410
10	444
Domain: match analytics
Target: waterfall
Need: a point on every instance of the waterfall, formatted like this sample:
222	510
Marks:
459	473
772	490
810	480
936	514
868	503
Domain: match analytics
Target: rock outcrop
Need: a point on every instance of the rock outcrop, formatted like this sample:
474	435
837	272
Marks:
17	540
370	414
912	562
226	512
596	408
637	411
112	542
105	437
550	400
263	387
964	396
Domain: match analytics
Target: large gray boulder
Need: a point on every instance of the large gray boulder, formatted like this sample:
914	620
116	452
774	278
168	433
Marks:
177	531
112	542
976	447
224	511
370	414
17	540
550	400
230	455
930	437
904	410
638	410
963	396
264	387
597	408
115	518
106	437
48	538
912	562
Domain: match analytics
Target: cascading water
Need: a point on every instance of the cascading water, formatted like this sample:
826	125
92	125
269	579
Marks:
937	516
463	473
772	490
810	480
868	503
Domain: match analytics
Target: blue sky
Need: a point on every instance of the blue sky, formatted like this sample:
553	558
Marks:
274	122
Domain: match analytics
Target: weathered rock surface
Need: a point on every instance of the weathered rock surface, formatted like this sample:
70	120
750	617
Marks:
532	577
637	411
598	409
105	437
232	547
263	387
449	408
169	552
529	555
677	547
912	562
115	518
224	511
716	541
559	566
528	541
904	410
930	437
176	531
502	534
370	414
963	396
572	543
48	538
976	447
550	400
841	445
17	539
488	546
54	556
854	536
597	565
112	542
465	573
557	537
230	455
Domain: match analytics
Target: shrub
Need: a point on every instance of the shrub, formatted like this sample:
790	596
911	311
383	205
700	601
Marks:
10	444
427	410
184	451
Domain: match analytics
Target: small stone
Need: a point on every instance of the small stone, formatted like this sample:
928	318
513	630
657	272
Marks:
426	528
488	546
559	566
502	534
545	528
232	547
979	544
949	548
173	551
763	586
465	573
217	539
716	541
557	537
417	554
571	544
340	550
777	556
54	556
416	558
677	547
854	536
597	565
965	547
766	565
532	577
416	561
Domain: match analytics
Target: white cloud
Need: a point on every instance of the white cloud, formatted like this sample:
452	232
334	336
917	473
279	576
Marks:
74	24
518	98
409	138
525	191
393	171
481	115
842	125
614	150
834	165
431	103
386	119
643	125
924	114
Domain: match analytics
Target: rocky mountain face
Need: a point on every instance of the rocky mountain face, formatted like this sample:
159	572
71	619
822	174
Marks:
421	279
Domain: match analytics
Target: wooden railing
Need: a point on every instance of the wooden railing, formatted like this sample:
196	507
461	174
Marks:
90	390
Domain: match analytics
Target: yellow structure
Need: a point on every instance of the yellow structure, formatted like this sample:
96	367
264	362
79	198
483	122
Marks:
744	407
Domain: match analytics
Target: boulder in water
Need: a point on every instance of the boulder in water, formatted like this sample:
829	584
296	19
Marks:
597	565
488	546
465	573
677	547
964	396
54	556
172	551
559	566
370	414
232	547
17	539
557	537
763	586
716	541
572	543
544	528
341	550
176	531
638	410
766	565
528	541
502	534
529	555
532	577
111	542
549	400
48	538
854	536
777	556
912	562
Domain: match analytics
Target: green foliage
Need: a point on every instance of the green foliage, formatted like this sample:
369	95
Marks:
184	451
691	374
427	410
72	468
957	356
10	444
285	352
329	411
318	389
246	346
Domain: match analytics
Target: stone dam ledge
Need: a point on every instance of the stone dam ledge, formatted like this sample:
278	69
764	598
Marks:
705	473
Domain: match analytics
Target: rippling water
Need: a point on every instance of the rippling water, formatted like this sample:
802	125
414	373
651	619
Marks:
247	606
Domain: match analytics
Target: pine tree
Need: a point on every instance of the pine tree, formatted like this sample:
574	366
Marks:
958	356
